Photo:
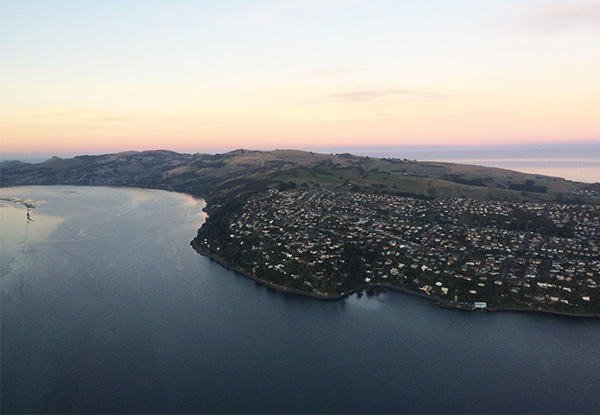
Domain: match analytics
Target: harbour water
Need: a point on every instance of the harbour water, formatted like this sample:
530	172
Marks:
107	309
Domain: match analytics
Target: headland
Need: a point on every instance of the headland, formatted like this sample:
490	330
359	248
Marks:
329	225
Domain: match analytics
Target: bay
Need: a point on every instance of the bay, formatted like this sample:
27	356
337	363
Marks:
107	309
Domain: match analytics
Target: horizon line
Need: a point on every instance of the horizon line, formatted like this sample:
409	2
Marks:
20	156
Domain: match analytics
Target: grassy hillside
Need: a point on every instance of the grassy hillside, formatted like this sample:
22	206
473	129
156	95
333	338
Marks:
242	171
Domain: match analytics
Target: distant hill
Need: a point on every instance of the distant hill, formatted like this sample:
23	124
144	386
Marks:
242	171
11	164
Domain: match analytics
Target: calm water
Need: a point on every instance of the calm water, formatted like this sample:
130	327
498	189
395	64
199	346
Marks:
572	161
106	308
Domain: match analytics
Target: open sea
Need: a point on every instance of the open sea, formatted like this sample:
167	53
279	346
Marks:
576	161
105	308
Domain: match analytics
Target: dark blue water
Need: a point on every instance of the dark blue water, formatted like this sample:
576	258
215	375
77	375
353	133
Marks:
106	309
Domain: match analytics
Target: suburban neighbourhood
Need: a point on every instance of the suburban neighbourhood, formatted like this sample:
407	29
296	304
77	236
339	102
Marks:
464	252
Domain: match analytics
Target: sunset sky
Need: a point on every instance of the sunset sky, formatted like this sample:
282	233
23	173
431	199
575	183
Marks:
98	76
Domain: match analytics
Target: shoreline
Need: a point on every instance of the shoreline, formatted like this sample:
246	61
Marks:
439	302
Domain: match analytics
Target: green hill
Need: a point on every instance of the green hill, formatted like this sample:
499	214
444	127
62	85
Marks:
241	171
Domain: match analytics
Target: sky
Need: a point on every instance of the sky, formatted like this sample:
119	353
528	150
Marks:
101	76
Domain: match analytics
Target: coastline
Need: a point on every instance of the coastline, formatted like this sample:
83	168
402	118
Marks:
439	302
266	283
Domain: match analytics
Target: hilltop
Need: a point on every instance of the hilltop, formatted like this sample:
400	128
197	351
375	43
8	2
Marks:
241	171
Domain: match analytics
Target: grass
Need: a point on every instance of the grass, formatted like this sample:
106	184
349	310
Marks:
337	172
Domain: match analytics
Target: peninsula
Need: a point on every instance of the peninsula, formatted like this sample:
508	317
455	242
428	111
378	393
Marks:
327	225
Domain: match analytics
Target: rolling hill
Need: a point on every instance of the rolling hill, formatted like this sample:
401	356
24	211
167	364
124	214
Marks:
241	171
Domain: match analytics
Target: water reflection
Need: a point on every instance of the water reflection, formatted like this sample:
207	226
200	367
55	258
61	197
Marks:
117	314
21	226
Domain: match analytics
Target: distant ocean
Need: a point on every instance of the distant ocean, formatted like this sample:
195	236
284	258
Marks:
578	162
